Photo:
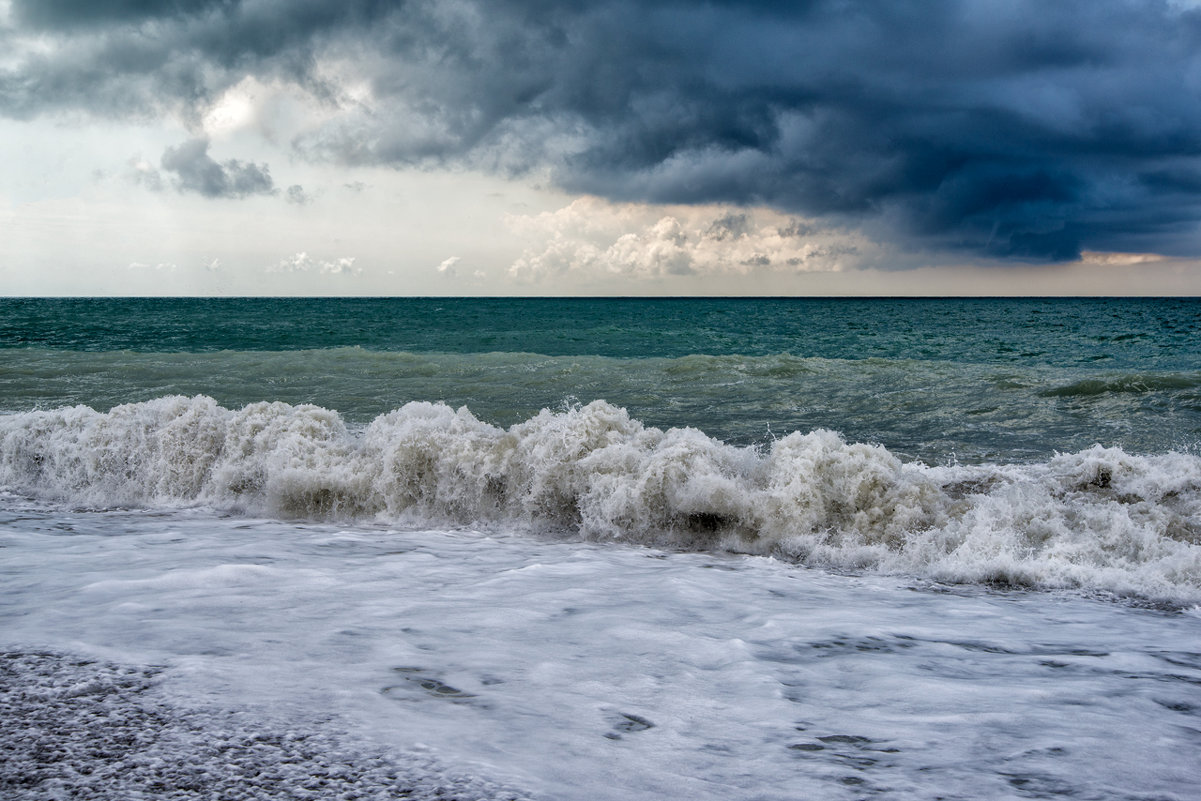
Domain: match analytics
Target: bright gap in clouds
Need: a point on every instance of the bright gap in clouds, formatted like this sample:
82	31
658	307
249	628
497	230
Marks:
235	109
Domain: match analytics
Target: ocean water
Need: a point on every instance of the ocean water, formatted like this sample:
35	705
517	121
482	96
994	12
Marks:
593	549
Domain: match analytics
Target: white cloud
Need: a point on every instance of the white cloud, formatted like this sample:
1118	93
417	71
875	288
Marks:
592	237
447	267
301	262
1119	259
342	266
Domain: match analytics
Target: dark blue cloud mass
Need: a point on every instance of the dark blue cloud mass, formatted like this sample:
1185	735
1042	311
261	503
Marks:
1008	128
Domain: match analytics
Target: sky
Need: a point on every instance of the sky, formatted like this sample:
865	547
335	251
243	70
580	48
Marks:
618	147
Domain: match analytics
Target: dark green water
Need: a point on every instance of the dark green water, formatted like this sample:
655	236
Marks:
1143	333
935	379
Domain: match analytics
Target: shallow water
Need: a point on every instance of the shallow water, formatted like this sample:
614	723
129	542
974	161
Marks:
578	670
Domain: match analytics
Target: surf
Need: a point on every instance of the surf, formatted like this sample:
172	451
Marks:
1099	519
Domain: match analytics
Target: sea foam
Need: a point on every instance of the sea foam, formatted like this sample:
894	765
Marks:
1099	519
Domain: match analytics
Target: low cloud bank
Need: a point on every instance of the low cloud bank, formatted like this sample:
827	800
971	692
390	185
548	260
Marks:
594	238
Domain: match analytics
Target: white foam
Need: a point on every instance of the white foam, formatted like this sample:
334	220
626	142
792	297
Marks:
208	578
575	671
1099	519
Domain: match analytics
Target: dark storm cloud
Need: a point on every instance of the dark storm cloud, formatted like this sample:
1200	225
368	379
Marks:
195	171
84	13
138	58
1012	128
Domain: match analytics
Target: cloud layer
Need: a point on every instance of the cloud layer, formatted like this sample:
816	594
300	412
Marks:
1005	128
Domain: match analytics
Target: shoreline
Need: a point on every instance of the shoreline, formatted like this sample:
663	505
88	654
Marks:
81	729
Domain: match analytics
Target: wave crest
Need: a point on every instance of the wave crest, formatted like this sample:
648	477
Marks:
1129	383
1100	518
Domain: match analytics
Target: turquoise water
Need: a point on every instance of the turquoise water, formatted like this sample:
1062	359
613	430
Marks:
1136	333
931	379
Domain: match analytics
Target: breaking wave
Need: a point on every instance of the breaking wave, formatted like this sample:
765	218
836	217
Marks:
1099	519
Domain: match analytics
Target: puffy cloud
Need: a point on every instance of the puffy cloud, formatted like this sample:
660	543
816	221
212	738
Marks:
592	237
196	171
1016	129
296	195
301	262
451	269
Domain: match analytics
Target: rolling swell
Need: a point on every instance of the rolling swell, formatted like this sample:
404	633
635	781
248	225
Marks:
1125	383
1099	519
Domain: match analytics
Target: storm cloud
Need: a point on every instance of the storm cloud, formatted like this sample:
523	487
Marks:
1004	128
196	171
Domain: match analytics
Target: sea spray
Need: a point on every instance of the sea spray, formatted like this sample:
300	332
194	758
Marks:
1099	519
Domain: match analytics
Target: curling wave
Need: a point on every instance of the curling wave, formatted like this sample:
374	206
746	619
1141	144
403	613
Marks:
1099	519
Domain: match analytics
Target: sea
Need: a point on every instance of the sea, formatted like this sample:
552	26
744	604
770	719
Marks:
593	549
